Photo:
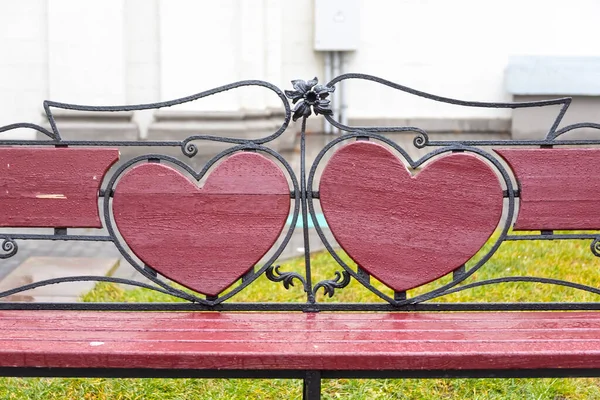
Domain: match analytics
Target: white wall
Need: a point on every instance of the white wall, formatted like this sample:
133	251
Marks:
206	43
86	57
128	51
142	57
460	49
23	64
198	46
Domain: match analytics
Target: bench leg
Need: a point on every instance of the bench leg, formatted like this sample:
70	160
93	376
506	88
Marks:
312	386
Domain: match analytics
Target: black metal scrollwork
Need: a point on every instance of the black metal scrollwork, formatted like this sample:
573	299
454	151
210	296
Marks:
9	246
595	247
287	278
308	97
421	140
189	149
341	280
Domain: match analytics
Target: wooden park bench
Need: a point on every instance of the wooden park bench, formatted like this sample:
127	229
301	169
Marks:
404	222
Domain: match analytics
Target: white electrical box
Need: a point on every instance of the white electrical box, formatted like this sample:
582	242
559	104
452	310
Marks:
336	25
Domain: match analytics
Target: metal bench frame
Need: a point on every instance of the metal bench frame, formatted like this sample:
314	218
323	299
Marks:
307	97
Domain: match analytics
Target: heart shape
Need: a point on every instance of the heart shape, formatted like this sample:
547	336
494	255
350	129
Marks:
203	238
409	230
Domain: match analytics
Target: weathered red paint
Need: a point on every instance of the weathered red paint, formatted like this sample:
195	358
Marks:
559	188
408	230
343	341
52	187
203	238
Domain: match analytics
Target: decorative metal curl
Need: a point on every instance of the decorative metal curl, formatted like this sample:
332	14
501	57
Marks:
421	140
9	246
595	247
341	280
35	127
189	149
274	275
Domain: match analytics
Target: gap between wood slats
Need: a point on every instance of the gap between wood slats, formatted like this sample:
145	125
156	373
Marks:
322	325
247	331
296	316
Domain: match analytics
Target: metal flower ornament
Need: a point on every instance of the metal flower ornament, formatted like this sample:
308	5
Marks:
310	94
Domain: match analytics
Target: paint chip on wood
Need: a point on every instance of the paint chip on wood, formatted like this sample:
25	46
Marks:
31	177
51	196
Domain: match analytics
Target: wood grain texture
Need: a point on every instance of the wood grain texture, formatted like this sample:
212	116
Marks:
52	187
203	238
404	230
325	341
559	188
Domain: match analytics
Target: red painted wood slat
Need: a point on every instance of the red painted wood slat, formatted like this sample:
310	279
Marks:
203	238
278	335
216	317
560	188
236	322
408	230
359	346
52	187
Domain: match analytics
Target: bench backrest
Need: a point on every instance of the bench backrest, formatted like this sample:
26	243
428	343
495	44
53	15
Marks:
403	222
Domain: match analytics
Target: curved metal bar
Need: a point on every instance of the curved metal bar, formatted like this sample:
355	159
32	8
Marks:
513	279
565	101
422	139
84	278
373	129
571	127
414	164
198	176
66	106
28	125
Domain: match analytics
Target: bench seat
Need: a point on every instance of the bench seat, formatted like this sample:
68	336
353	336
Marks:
298	341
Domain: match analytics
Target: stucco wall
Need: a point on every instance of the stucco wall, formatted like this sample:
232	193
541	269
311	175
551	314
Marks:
128	51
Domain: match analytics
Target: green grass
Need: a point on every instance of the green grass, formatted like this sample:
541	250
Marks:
570	260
